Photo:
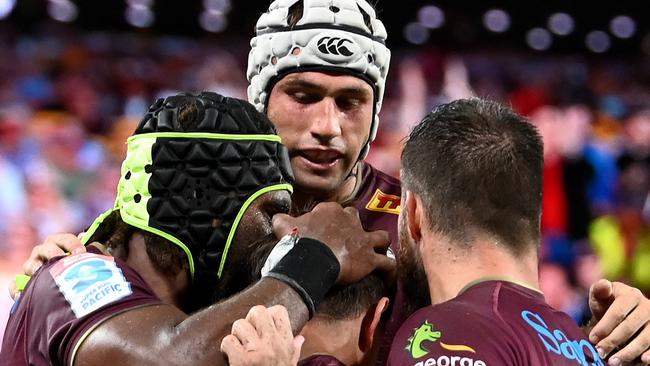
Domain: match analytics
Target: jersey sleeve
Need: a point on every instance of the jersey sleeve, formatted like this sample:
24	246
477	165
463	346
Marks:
74	295
450	336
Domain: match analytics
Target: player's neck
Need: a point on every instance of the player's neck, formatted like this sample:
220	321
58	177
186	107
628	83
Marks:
450	268
304	198
335	338
170	289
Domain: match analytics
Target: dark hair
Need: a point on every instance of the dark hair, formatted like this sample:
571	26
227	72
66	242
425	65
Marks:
296	10
340	303
351	301
477	167
167	257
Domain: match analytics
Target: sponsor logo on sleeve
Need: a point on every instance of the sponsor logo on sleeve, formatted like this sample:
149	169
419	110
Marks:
89	281
426	334
383	202
556	341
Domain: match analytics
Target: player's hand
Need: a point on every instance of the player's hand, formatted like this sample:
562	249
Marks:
623	316
358	252
263	338
53	246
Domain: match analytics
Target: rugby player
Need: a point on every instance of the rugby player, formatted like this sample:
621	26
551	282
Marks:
469	228
202	178
318	70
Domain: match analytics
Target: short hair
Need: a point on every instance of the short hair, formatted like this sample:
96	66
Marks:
342	302
353	300
295	13
477	166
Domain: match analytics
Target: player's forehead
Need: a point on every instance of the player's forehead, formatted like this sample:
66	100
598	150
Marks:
330	81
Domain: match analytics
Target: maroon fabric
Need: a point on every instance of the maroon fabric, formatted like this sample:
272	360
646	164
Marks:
320	360
492	323
380	191
43	328
383	188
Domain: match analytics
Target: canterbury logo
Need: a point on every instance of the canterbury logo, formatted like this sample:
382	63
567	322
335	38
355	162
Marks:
334	46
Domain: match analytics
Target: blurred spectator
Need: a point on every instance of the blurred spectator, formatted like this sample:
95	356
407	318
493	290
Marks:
68	101
622	236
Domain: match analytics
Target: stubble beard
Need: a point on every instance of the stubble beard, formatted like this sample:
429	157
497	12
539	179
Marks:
411	274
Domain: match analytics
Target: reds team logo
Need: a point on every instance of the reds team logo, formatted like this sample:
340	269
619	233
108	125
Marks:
383	202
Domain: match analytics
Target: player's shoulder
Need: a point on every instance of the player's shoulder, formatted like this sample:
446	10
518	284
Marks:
454	313
382	179
436	336
89	281
460	331
379	192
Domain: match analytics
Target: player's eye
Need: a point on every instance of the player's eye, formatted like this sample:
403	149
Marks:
304	97
347	103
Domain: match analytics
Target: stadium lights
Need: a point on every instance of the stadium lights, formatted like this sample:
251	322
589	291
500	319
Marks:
597	41
222	6
622	26
138	13
213	21
62	10
496	20
213	18
139	16
539	39
6	6
431	17
416	33
561	24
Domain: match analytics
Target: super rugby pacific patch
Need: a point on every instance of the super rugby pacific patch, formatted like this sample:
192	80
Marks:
89	281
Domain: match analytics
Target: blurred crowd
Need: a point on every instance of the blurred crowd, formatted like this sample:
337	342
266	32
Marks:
68	101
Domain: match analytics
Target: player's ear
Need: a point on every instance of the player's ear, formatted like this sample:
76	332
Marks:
414	215
370	323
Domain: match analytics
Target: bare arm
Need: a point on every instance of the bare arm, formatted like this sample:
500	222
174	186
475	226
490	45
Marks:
54	245
163	335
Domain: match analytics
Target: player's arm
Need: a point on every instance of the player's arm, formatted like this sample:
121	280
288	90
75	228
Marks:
54	245
621	319
164	335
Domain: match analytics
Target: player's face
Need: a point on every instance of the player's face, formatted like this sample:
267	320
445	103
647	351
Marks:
324	120
410	269
254	237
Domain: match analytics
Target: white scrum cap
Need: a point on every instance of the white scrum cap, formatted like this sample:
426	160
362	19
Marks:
332	35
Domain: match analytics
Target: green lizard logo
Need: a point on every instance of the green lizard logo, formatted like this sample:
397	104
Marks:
422	334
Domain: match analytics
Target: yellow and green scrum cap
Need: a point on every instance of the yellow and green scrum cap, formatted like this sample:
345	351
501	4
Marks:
191	182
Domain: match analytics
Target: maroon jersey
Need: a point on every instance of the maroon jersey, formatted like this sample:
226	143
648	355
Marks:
320	360
492	323
64	301
378	202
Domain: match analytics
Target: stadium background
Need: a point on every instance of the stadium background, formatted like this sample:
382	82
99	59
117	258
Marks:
76	75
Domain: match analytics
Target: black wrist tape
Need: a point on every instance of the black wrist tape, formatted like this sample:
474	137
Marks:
311	269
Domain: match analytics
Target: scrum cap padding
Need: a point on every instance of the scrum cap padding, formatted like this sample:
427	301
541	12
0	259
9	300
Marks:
192	188
343	36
